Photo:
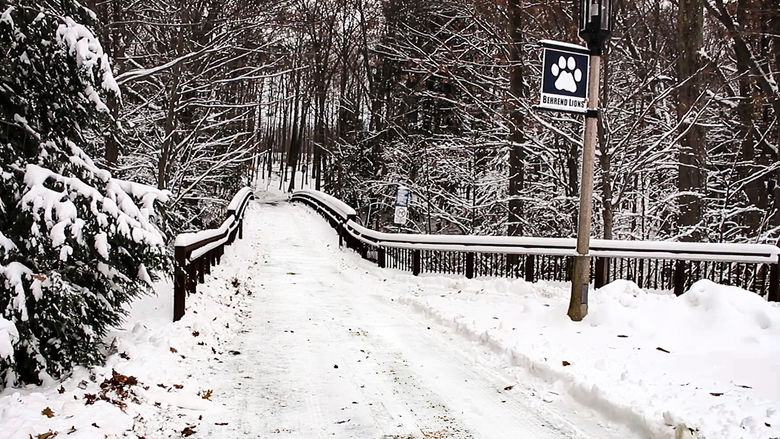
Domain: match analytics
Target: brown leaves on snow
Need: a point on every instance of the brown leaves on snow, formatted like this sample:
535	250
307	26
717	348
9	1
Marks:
120	385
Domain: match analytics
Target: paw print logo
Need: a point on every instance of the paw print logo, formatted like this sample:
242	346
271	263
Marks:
567	73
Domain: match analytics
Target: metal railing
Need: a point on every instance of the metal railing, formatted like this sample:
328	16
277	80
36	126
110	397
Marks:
658	265
195	253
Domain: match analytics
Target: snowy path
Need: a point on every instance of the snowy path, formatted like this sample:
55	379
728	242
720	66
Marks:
293	337
327	351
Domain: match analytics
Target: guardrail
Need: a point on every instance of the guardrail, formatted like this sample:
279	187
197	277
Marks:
195	253
658	265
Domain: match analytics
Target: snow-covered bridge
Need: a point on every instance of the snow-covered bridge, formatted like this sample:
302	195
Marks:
334	345
293	335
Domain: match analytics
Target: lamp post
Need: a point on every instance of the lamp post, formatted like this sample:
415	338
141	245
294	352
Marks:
595	27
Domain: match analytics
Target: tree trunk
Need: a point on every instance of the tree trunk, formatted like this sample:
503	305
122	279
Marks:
692	152
516	137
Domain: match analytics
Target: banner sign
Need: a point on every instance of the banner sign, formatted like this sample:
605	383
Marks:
564	77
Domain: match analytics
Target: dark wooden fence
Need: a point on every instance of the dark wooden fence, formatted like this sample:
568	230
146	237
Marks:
195	253
654	265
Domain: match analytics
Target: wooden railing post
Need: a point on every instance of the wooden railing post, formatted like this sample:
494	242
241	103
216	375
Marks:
192	277
529	268
179	284
416	262
470	265
678	277
201	268
601	272
380	257
774	280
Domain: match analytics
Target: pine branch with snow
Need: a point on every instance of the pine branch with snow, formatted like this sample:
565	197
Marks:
76	244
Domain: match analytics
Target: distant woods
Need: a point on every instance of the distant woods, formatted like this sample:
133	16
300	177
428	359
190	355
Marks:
356	96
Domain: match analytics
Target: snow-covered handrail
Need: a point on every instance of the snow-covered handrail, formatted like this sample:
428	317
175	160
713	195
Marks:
671	265
342	209
195	253
747	253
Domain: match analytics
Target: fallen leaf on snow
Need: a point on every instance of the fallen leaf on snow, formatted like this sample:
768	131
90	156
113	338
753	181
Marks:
47	412
565	363
662	350
188	431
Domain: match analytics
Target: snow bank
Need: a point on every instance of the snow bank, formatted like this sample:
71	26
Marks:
165	358
707	359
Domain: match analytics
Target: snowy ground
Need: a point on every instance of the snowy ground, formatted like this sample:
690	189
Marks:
294	337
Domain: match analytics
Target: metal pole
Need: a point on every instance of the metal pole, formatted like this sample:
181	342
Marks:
580	279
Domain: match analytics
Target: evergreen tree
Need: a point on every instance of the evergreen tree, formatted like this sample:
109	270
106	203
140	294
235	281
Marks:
75	243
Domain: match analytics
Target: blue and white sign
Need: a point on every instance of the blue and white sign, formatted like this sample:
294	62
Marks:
564	77
402	196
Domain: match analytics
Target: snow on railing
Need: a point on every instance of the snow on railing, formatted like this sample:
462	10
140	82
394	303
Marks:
195	253
651	264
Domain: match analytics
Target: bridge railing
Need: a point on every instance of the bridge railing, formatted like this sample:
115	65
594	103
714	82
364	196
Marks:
195	253
657	265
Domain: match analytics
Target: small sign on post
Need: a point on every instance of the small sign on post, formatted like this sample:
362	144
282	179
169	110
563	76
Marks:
401	215
565	70
402	197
